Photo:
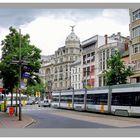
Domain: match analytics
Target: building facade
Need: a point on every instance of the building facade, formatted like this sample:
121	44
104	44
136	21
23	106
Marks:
46	71
135	44
55	72
113	43
76	75
88	59
64	56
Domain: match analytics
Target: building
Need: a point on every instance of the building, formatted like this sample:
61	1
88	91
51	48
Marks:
46	71
104	52
135	44
76	74
63	58
55	71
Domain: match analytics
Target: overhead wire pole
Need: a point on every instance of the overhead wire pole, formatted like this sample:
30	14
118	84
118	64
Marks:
20	63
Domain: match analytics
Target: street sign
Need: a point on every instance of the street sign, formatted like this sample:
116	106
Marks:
26	75
23	85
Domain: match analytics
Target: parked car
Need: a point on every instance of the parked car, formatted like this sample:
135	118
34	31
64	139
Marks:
36	102
30	102
44	103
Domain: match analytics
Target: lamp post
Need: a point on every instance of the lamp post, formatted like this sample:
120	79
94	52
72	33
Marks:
20	62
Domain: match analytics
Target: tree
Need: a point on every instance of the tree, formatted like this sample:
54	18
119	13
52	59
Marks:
117	72
10	52
32	89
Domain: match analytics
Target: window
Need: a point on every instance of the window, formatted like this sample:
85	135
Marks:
104	81
93	56
88	55
100	81
112	51
136	32
107	53
79	77
136	15
97	99
71	58
71	51
103	55
136	48
79	99
84	58
61	60
100	66
88	71
84	72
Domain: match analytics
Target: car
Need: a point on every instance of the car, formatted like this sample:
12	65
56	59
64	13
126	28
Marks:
36	102
30	102
44	103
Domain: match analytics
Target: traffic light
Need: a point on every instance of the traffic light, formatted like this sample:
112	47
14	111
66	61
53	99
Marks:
5	91
2	97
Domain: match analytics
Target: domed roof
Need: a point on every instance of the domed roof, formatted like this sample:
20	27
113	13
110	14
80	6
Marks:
72	37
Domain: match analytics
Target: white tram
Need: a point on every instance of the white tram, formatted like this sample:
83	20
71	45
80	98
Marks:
121	100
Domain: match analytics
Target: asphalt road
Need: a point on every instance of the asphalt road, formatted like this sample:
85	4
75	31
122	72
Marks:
44	119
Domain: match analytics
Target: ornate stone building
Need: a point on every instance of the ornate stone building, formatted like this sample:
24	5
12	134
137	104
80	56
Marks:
55	72
64	56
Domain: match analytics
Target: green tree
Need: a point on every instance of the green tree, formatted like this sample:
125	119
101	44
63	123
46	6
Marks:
32	89
10	52
117	72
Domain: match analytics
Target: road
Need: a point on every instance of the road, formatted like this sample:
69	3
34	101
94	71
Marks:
46	117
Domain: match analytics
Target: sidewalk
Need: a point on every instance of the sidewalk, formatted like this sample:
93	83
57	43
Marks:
7	121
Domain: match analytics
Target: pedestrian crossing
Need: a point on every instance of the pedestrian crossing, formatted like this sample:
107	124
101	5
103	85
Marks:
34	109
47	109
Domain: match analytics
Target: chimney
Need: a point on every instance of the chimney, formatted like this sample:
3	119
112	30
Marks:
119	33
105	39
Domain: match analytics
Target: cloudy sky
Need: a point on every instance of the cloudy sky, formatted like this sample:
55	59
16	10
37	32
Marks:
48	28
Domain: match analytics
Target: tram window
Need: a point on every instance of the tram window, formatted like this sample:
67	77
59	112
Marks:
79	99
122	99
97	99
56	99
66	98
137	99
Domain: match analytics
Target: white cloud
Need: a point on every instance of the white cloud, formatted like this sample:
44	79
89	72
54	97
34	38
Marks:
48	32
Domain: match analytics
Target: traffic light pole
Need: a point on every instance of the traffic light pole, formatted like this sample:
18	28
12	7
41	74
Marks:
5	101
20	115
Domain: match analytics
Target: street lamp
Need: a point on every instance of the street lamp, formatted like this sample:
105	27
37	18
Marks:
20	62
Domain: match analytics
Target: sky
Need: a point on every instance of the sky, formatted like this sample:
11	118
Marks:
48	28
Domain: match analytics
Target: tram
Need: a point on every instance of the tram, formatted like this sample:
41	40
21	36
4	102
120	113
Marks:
123	100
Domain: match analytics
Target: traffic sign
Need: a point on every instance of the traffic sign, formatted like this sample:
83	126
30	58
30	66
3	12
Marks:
26	75
23	85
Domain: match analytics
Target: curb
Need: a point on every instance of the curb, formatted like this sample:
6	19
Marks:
30	123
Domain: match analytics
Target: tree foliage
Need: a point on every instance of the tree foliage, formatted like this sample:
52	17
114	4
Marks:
32	89
117	72
10	51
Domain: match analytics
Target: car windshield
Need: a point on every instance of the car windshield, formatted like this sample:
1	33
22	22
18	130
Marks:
46	101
